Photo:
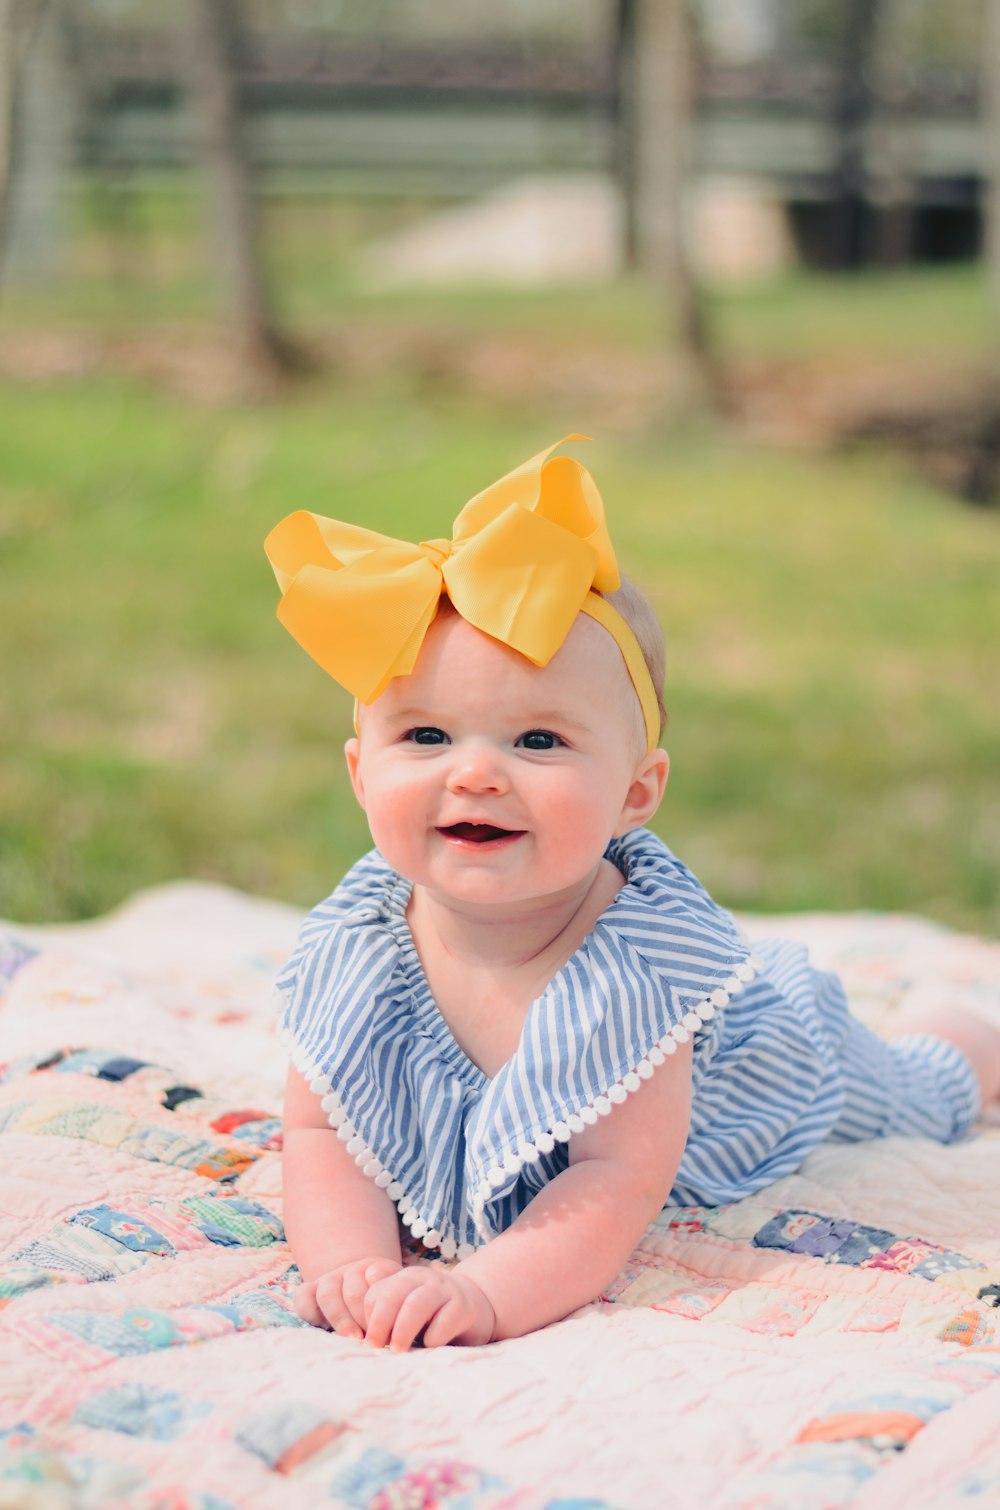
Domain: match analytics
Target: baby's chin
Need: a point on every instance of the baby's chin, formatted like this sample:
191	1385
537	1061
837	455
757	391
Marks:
476	892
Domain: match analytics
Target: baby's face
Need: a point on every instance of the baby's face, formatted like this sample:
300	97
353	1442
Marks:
493	782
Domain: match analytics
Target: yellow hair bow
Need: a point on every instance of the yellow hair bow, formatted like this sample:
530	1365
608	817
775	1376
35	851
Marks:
526	556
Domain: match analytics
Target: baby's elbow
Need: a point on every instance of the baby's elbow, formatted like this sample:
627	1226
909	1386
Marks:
640	1192
650	1198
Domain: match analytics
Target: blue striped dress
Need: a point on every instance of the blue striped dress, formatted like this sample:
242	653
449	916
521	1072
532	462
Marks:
779	1063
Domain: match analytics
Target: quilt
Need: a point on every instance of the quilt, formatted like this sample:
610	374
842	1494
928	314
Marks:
832	1341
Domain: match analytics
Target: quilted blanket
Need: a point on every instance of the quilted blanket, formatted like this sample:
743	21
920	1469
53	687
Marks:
832	1341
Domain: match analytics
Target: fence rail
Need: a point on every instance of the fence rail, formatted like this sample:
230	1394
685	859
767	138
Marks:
456	119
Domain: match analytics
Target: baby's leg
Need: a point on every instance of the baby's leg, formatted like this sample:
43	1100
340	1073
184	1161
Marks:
977	1039
919	1085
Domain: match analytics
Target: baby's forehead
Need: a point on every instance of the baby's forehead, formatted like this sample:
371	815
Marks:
459	666
462	673
588	649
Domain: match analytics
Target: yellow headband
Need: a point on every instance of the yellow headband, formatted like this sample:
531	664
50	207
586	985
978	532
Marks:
526	556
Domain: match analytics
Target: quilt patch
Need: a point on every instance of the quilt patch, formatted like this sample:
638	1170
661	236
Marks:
14	955
140	1410
858	1436
682	1240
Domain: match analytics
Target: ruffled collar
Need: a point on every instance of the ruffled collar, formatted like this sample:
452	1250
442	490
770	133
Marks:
656	887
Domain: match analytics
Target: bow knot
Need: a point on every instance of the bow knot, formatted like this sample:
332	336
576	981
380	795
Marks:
533	546
437	551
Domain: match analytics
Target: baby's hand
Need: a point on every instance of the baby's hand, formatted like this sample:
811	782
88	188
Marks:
336	1301
443	1305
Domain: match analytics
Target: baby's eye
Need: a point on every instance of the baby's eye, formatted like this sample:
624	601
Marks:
538	739
426	734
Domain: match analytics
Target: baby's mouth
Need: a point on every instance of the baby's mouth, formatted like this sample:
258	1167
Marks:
479	833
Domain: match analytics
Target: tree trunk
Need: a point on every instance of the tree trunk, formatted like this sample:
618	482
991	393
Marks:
624	130
664	96
981	483
213	43
991	153
35	139
8	115
892	155
851	113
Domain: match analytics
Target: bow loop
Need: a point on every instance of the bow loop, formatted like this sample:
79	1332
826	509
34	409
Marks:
523	559
521	579
357	601
557	488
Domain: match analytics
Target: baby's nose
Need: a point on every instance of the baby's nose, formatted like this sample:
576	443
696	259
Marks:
476	767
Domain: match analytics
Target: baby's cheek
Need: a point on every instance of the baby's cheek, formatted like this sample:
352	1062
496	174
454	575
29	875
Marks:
391	818
578	823
565	827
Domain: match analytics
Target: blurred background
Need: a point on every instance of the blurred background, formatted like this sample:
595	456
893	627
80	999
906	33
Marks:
362	258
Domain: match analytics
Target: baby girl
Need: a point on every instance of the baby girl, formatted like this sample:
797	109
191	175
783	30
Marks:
520	1026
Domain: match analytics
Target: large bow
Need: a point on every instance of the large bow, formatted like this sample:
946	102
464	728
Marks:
523	556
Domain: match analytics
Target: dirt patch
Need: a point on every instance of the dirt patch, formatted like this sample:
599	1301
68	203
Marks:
945	416
942	413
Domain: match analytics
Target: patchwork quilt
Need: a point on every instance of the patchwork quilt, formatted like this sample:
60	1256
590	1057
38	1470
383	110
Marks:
832	1341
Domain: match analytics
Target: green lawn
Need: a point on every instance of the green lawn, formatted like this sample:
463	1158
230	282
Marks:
832	622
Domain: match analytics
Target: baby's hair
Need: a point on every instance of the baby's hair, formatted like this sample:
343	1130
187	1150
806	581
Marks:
640	616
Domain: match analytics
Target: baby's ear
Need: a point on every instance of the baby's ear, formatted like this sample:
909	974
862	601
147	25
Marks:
352	752
645	793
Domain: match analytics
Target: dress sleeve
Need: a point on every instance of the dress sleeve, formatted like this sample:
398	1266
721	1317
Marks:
357	903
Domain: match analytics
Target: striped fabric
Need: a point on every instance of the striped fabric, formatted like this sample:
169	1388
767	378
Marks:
779	1064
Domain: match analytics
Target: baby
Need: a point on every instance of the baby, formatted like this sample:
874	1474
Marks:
520	1026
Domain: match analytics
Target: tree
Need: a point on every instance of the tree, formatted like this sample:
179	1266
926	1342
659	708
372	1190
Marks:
991	145
214	41
893	168
663	81
623	128
981	483
35	137
852	109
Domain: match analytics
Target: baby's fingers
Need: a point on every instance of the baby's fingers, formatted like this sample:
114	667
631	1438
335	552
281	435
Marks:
450	1322
417	1311
307	1306
358	1279
330	1302
384	1303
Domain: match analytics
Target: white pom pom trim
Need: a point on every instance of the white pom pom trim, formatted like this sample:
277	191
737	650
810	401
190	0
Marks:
368	1161
694	1021
603	1105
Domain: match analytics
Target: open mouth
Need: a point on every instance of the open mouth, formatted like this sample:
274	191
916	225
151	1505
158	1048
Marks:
479	833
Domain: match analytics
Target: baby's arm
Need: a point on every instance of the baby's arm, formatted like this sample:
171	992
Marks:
567	1245
341	1227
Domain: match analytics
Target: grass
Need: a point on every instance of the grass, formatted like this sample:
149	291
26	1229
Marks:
832	621
139	255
